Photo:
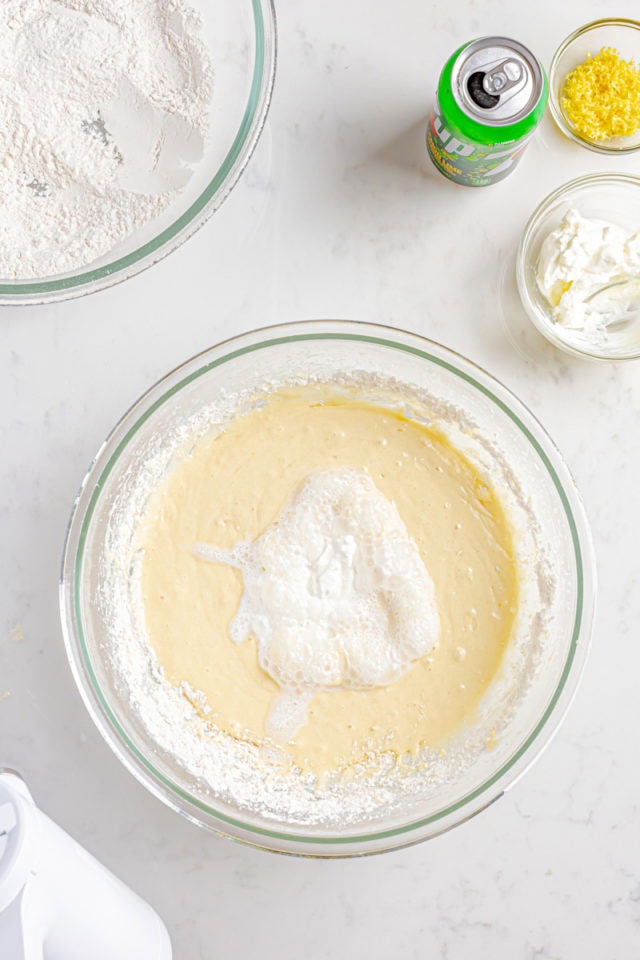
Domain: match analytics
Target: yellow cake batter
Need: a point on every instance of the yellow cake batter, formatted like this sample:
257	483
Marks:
229	488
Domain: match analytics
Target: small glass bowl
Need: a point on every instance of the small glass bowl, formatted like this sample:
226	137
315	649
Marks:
614	197
623	36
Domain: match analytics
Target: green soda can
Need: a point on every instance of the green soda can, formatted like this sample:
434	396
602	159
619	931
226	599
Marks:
491	96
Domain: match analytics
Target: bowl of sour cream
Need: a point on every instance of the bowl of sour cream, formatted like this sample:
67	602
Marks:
578	267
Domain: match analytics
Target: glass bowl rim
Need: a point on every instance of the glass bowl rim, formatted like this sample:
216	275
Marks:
556	110
207	816
91	280
545	326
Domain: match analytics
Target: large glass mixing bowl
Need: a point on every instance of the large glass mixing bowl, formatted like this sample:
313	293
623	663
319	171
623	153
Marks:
491	426
241	39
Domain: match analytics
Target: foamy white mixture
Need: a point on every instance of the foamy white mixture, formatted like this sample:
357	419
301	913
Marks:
336	593
103	111
579	258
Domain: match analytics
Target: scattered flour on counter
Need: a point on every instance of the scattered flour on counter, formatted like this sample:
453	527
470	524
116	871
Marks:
103	106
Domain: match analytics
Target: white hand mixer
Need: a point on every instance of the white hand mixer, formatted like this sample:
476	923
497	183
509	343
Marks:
57	902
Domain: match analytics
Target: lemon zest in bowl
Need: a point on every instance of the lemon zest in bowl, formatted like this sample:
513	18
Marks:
601	96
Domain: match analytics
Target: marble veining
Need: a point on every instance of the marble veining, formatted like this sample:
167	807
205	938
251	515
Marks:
341	215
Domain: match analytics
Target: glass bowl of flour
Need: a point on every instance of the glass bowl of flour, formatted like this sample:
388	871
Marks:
173	739
125	125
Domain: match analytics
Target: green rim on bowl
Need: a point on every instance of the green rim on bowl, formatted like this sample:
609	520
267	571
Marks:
294	841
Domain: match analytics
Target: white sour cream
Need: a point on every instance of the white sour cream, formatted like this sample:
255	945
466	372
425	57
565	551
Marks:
579	258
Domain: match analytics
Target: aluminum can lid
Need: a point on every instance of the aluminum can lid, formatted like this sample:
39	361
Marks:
497	81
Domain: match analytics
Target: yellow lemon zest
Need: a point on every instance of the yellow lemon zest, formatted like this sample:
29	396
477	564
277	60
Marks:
601	97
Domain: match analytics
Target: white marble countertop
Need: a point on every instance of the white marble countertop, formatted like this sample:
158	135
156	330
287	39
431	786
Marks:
340	215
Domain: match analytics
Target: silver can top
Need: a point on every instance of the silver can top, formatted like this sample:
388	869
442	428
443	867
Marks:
497	81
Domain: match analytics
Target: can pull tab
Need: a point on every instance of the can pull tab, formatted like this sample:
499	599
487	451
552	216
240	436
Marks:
502	77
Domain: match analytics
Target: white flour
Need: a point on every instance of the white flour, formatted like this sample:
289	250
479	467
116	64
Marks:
103	106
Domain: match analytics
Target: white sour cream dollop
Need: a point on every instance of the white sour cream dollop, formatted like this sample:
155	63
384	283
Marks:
579	258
